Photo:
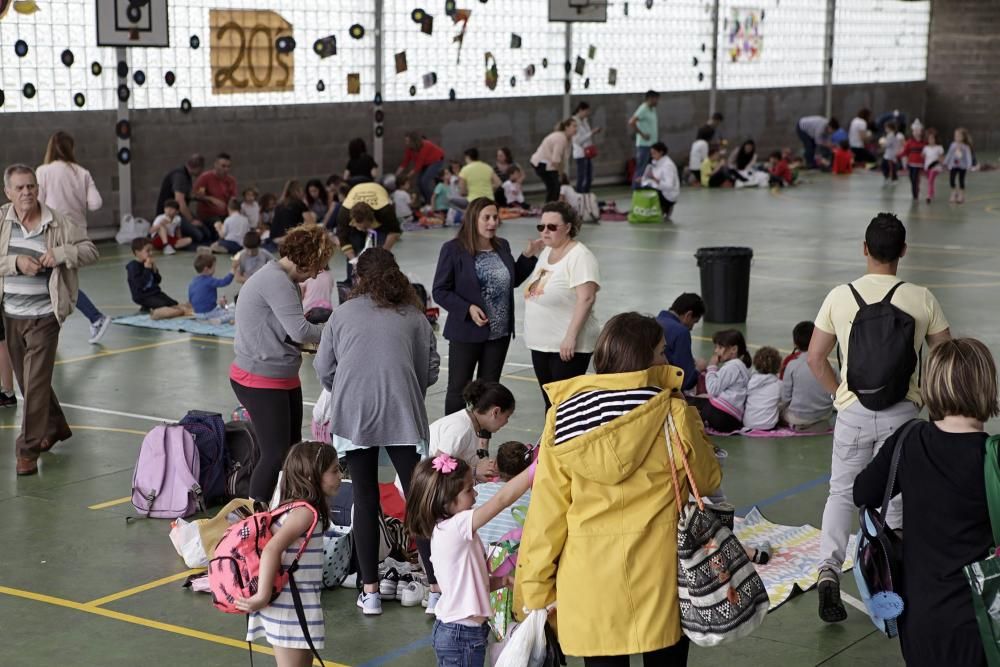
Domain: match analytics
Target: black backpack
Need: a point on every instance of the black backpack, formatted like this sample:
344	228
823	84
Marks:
243	454
882	358
209	433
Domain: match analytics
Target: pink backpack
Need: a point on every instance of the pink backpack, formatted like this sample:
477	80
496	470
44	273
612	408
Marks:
165	480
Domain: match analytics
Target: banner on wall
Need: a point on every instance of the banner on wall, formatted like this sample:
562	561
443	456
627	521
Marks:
746	37
252	51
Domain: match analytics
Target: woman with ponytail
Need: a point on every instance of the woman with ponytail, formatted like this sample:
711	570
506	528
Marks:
726	380
377	357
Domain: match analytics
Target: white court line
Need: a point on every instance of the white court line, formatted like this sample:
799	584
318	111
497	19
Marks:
118	413
854	602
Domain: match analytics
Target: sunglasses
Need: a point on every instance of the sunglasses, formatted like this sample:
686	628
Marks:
551	227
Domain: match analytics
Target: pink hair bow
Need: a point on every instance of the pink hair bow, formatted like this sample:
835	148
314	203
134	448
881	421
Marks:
444	464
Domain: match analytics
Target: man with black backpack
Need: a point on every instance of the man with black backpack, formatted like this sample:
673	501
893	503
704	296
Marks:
880	324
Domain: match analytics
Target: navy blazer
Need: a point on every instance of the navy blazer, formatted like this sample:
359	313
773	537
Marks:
456	287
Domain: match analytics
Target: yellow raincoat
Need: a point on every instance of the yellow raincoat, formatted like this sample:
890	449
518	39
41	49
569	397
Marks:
601	532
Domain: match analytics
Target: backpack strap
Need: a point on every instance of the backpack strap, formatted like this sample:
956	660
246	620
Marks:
857	297
894	466
288	507
300	612
888	297
992	475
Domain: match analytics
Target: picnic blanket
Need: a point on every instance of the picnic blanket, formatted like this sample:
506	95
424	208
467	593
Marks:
794	564
185	324
774	433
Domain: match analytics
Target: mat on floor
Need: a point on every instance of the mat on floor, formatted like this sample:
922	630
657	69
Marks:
773	433
185	324
794	563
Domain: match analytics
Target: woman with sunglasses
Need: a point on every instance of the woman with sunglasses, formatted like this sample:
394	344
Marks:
559	324
474	281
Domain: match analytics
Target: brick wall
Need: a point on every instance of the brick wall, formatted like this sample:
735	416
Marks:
963	69
271	144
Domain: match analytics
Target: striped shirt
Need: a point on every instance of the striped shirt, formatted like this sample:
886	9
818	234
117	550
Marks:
27	297
592	409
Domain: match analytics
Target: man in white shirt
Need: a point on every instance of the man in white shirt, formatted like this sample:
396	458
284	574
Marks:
858	135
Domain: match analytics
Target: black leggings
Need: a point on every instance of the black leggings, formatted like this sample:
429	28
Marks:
915	173
276	415
672	656
551	180
666	206
961	178
549	367
717	419
363	465
889	168
463	361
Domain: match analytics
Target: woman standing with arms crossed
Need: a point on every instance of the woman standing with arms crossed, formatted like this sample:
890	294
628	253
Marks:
66	187
583	142
270	331
550	155
377	358
559	324
474	281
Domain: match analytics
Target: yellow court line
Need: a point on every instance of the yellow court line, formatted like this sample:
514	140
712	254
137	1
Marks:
144	587
123	350
110	503
144	622
207	339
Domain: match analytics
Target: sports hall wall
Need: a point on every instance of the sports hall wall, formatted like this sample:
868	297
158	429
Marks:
480	73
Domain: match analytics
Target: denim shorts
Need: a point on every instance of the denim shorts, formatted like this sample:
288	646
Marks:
457	645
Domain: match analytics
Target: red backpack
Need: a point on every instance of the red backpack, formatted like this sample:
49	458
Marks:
235	567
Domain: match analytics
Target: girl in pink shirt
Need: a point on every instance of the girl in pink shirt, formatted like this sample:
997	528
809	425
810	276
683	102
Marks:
440	506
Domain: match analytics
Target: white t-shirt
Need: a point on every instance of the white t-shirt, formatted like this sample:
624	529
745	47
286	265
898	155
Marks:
512	192
252	212
550	298
454	435
933	154
235	227
457	552
699	153
571	196
171	226
402	201
856	133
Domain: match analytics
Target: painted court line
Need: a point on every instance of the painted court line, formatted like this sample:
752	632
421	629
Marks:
854	602
397	653
110	503
143	622
118	413
787	493
123	350
144	587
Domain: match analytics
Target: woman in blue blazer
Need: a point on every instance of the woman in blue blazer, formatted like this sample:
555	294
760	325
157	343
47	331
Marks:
475	280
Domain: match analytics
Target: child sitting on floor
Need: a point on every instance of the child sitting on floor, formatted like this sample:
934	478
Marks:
202	292
781	173
144	284
843	158
763	391
232	230
512	189
440	207
165	232
403	200
317	297
805	405
726	380
251	258
512	458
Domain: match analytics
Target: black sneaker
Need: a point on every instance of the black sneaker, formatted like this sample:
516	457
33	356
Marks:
831	609
8	400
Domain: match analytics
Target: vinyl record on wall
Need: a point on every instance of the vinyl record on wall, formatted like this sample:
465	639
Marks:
67	58
195	42
123	129
124	93
79	100
21	48
124	155
139	77
185	105
95	68
122	69
29	90
170	78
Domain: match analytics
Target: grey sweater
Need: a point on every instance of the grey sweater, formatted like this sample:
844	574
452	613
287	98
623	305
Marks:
802	393
270	326
377	364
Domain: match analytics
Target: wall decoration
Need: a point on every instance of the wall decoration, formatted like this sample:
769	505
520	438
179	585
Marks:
139	77
580	65
123	93
354	83
67	58
20	48
29	90
492	76
170	78
80	100
325	46
4	6
284	44
745	38
427	24
124	155
460	16
185	105
430	79
96	69
320	86
195	42
26	7
357	31
515	41
244	52
123	129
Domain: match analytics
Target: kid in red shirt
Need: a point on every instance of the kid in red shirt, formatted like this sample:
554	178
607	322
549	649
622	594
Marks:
843	159
781	173
913	154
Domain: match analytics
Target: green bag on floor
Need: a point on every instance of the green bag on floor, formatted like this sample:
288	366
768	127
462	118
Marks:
645	207
984	575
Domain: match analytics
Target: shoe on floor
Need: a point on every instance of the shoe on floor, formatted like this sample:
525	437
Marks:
831	609
169	250
389	585
26	467
431	602
48	443
8	400
98	329
370	604
411	594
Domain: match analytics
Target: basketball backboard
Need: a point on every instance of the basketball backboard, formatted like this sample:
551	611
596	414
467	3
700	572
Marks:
572	11
132	23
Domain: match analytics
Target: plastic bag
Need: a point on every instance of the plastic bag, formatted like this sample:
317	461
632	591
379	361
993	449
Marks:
321	420
131	228
645	207
526	644
195	540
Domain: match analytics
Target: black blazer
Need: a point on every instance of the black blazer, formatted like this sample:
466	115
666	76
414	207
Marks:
456	287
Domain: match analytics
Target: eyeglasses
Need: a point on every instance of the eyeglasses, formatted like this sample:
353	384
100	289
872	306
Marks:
551	227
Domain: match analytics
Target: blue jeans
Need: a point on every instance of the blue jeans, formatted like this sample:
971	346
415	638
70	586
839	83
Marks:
584	174
232	246
87	307
457	645
641	160
427	179
808	147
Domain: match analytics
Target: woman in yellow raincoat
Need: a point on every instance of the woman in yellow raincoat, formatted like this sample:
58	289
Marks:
601	532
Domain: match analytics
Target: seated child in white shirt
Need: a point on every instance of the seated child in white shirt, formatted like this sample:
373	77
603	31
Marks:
512	188
763	406
402	200
166	229
231	230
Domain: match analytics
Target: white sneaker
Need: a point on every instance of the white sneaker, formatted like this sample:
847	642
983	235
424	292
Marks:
411	594
389	586
370	604
431	602
169	250
98	329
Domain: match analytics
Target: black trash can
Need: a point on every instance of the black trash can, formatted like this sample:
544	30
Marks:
725	283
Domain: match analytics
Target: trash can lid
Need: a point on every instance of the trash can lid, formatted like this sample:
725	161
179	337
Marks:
722	253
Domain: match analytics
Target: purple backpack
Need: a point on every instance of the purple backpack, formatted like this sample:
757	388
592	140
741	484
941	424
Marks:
165	481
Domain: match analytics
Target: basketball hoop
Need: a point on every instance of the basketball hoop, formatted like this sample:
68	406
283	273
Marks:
132	23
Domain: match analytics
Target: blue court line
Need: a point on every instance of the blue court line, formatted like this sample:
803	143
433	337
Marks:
740	511
398	653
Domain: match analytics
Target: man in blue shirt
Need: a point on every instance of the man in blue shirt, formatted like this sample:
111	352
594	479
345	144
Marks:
677	323
647	132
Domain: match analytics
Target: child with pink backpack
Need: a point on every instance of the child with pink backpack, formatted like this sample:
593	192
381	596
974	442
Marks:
310	475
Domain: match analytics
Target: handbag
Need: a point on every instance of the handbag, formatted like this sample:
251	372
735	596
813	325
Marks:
722	598
984	576
878	559
590	152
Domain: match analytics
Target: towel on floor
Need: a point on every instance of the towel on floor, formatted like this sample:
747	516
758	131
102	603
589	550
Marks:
185	324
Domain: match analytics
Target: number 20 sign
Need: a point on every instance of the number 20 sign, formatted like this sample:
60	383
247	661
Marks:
244	55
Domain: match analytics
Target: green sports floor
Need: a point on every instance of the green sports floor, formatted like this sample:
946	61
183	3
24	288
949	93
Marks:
80	587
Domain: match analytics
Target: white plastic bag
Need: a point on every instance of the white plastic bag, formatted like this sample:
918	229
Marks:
132	228
186	539
321	420
526	644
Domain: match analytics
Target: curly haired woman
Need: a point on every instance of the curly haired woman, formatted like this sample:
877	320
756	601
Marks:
270	331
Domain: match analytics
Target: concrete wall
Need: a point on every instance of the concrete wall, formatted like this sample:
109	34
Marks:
271	144
963	70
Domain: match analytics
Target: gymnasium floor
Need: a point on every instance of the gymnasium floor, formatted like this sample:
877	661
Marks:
80	587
